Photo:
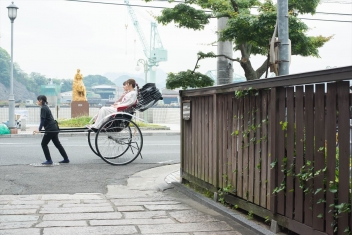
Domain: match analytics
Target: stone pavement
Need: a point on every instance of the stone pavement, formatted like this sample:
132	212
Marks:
148	204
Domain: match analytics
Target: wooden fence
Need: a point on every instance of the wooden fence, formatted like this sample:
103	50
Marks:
280	147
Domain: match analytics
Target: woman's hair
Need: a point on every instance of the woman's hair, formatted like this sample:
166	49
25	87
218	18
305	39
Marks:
43	99
134	84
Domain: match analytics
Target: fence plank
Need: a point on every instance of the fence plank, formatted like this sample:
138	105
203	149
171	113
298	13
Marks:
309	148
251	159
272	176
265	194
220	143
280	144
257	150
331	154
319	161
215	141
290	145
206	140
234	139
344	150
229	140
299	152
246	111
224	141
240	149
212	139
201	139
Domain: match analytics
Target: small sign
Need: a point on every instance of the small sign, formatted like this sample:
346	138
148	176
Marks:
80	105
186	110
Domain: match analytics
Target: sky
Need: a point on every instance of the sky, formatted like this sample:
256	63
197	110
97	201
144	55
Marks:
57	37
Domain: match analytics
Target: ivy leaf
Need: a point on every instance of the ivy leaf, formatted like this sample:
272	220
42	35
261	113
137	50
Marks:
333	188
318	190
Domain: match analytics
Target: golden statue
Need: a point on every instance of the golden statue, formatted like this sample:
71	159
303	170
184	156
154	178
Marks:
78	88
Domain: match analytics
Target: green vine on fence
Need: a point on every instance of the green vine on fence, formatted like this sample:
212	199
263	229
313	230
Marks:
307	173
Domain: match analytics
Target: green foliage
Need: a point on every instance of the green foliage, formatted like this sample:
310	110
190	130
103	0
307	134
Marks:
188	79
249	31
74	122
250	215
5	63
246	92
184	16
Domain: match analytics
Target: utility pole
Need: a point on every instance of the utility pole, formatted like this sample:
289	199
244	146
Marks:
224	65
282	18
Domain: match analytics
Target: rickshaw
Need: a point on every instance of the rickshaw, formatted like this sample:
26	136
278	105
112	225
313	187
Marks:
119	140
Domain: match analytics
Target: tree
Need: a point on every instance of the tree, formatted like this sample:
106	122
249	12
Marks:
249	32
5	67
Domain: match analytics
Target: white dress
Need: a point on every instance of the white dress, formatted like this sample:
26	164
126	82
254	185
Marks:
128	100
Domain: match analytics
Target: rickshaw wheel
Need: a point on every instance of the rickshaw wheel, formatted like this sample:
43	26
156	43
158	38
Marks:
119	141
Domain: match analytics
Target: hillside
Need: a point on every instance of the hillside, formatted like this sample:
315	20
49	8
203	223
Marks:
19	90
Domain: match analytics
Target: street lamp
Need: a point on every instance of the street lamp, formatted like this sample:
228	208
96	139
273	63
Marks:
12	10
145	67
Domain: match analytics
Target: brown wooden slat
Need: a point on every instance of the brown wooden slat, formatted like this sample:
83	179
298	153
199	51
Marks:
331	153
240	149
280	144
206	140
265	165
194	120
290	145
229	140
201	140
212	139
273	125
257	150
220	142
234	142
299	152
309	147
246	111
215	142
319	161
224	141
344	150
251	160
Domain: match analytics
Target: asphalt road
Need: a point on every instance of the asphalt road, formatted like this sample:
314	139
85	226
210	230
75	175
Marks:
86	173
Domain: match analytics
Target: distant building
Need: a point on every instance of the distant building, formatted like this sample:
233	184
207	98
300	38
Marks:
170	97
106	92
92	98
66	97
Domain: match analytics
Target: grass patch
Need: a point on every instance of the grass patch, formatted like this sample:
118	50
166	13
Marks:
74	122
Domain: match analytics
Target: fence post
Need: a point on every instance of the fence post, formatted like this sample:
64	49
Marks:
182	139
272	150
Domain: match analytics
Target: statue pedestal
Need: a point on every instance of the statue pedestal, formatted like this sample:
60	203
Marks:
79	108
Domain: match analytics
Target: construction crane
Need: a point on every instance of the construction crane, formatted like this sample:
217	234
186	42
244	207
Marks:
155	51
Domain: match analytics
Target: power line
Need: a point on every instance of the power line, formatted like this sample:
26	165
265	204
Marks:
117	4
333	13
339	2
341	21
134	5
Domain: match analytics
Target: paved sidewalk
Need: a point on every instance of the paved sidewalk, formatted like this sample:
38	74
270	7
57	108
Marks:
146	205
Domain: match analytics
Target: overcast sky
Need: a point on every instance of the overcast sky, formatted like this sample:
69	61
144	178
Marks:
56	37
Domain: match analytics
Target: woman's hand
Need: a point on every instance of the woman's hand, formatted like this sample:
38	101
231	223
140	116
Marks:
35	131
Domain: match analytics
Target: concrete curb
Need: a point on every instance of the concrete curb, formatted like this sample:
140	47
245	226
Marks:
221	209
